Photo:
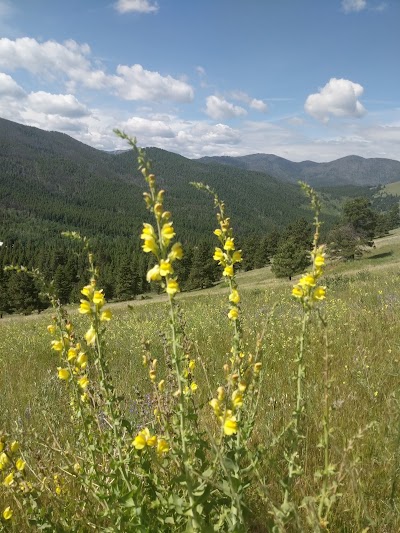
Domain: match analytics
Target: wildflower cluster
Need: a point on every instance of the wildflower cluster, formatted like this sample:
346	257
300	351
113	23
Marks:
12	468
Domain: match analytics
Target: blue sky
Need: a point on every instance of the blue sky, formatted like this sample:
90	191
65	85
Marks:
302	79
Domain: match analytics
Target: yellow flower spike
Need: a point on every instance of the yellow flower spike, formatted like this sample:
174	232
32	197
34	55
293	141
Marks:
237	256
20	464
172	287
229	244
234	296
90	336
167	232
319	293
98	298
154	274
14	446
297	291
165	268
230	424
228	271
57	346
63	373
106	315
219	255
237	398
83	382
162	446
85	307
176	252
193	387
233	313
51	329
161	385
9	480
7	513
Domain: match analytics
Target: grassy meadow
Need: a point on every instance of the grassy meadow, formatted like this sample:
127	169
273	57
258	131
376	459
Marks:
362	309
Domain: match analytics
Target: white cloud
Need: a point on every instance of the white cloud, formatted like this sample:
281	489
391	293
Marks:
253	103
218	108
142	127
350	6
9	87
71	62
136	6
136	83
339	98
65	105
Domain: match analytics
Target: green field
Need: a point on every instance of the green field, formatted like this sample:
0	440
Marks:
362	308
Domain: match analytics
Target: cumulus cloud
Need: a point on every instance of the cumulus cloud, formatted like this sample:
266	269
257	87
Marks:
9	87
136	6
65	105
148	127
136	83
350	6
339	98
72	61
218	108
253	103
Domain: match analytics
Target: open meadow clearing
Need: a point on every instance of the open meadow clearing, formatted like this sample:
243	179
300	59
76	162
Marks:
362	309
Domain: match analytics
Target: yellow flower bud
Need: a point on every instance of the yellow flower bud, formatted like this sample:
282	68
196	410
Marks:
7	513
63	373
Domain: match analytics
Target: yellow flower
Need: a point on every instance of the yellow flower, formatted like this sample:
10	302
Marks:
176	252
257	368
161	385
216	406
153	274
51	329
193	387
14	446
230	424
9	480
162	446
319	261
167	232
221	393
165	268
229	244
172	287
144	438
319	293
90	335
237	256
98	298
82	360
4	460
7	513
233	314
219	255
234	296
87	291
218	232
83	382
106	315
57	346
63	373
228	271
307	281
72	352
237	398
20	464
85	307
150	245
148	231
297	291
192	364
